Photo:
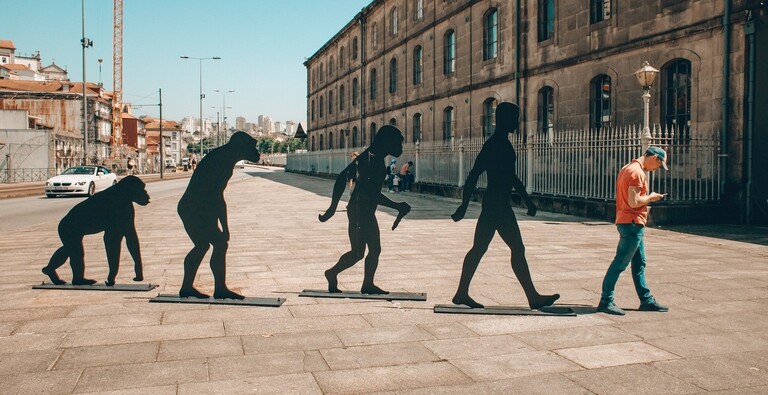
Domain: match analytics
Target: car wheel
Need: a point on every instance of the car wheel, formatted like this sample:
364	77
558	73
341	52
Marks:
91	189
50	195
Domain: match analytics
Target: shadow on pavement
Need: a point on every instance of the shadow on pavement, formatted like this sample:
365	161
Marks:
743	233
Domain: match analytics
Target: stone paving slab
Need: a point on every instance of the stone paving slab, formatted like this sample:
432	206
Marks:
714	339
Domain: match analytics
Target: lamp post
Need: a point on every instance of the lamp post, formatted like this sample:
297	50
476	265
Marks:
646	75
200	120
86	42
223	112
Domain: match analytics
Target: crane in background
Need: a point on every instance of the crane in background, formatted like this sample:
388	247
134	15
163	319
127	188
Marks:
117	80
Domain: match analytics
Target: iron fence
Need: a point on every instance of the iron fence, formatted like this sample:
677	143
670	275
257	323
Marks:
567	163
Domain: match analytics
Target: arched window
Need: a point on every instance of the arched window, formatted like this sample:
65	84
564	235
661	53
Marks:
312	110
354	136
448	123
418	65
374	35
354	92
393	121
330	67
449	52
342	98
313	143
393	75
546	113
676	99
363	139
373	131
393	17
330	140
416	127
600	104
373	84
354	48
321	143
330	103
490	34
418	10
321	105
322	73
489	116
341	58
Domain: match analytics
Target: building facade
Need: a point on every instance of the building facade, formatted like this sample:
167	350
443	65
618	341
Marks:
437	69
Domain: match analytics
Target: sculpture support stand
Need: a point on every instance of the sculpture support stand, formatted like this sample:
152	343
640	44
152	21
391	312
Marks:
505	310
98	287
312	293
267	302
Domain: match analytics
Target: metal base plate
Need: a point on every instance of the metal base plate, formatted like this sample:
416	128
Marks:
505	310
316	293
99	287
268	302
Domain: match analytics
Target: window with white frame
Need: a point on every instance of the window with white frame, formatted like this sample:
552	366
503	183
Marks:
491	34
449	52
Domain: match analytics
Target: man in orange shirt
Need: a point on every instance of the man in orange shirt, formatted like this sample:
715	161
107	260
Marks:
632	200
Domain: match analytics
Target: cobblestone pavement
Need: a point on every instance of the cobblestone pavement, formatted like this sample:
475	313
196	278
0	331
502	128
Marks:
714	339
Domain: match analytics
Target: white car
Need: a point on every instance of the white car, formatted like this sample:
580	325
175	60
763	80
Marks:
80	180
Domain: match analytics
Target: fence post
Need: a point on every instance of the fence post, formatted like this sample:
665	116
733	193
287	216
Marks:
418	167
460	182
529	162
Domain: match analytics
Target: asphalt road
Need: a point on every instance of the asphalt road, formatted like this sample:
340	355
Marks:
19	213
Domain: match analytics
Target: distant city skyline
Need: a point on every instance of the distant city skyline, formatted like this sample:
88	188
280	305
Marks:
155	35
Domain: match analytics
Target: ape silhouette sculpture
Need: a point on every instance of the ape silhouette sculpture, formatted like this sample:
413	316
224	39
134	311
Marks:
111	212
202	209
363	228
497	158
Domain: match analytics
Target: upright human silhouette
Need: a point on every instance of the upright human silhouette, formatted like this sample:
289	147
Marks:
204	213
111	212
497	158
363	228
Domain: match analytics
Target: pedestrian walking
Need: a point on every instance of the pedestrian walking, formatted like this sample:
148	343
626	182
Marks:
406	176
391	174
632	200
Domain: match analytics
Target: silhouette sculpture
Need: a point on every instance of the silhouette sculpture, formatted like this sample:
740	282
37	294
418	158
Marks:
202	210
363	228
111	212
497	158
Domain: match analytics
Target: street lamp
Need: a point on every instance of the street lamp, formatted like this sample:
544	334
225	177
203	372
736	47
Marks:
200	120
86	42
646	75
224	111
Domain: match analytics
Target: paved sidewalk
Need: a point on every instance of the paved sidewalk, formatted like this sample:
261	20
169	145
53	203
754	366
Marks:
32	188
714	339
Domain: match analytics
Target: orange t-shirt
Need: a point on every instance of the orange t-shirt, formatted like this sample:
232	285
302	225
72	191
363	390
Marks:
631	175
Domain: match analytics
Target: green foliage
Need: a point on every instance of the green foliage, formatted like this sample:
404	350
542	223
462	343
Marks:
268	145
207	143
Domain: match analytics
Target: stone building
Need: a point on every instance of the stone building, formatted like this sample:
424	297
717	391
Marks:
437	69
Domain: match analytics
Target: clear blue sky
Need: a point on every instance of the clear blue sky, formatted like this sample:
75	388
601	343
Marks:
262	43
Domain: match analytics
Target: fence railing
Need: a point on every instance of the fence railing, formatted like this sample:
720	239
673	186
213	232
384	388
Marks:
568	163
25	175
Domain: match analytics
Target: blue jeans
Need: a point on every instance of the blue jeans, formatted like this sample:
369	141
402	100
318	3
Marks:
631	248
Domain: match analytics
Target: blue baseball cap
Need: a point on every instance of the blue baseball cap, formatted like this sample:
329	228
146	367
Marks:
660	153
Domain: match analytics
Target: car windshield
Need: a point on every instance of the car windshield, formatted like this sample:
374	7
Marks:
79	170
